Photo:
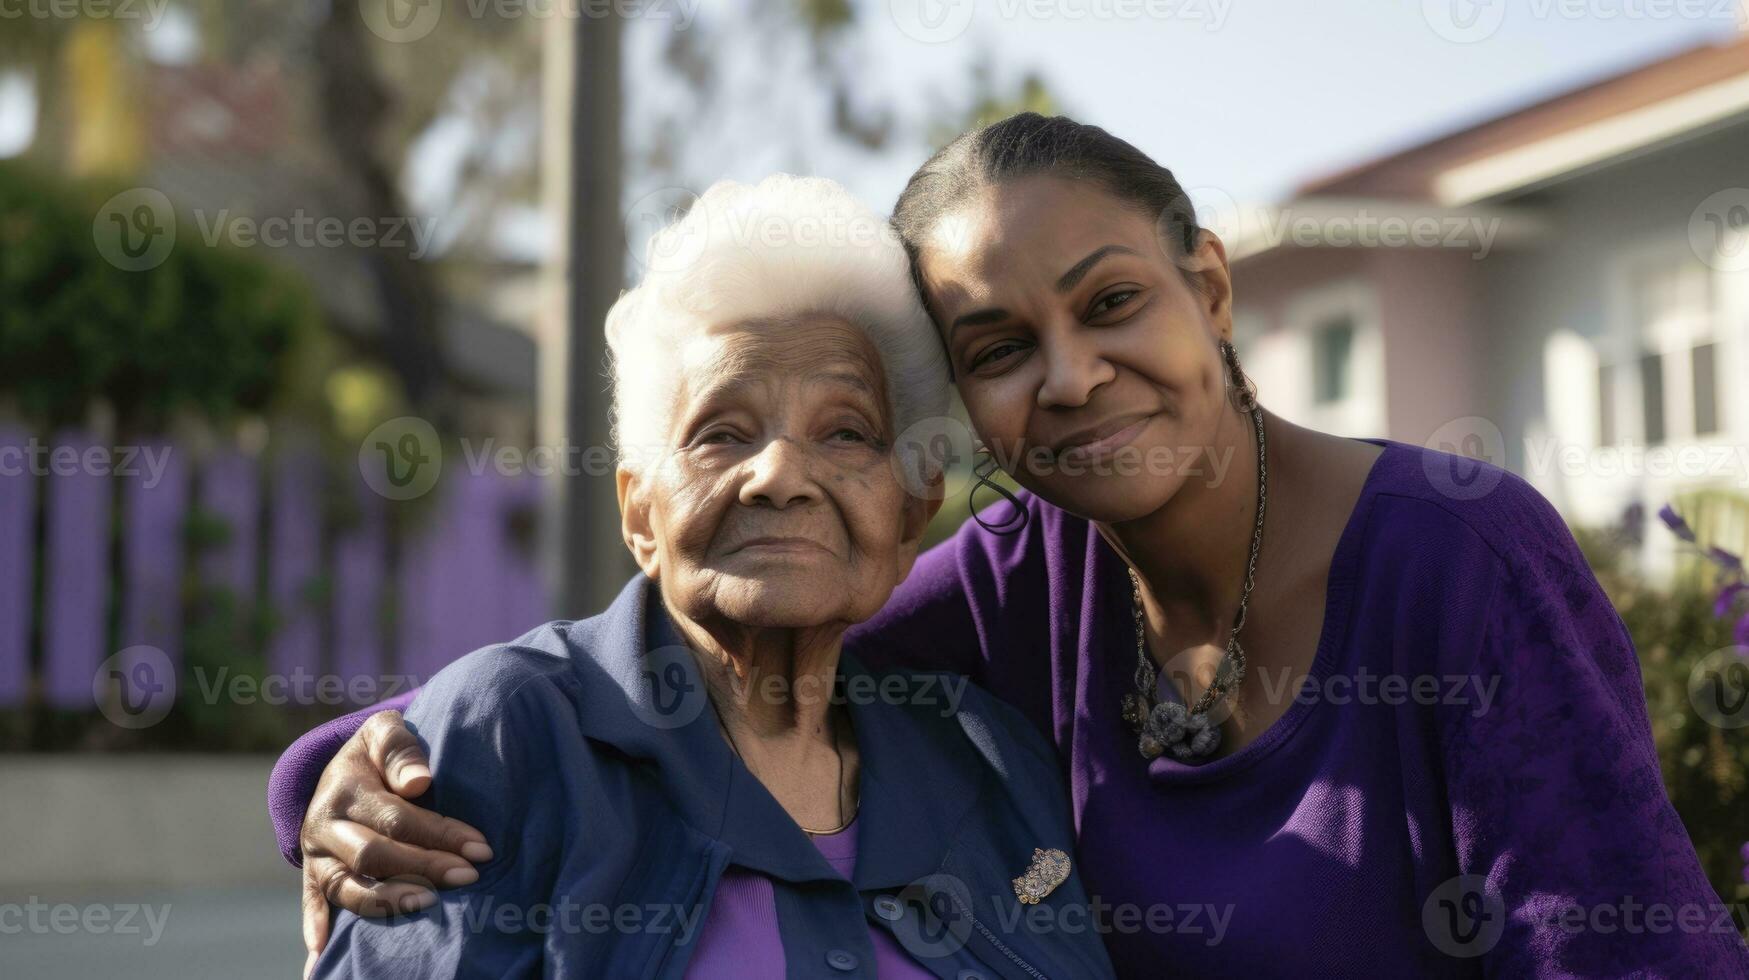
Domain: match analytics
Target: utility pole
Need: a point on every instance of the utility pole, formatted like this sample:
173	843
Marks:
593	561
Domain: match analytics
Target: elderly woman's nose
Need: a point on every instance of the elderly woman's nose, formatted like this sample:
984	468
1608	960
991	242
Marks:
1073	368
780	476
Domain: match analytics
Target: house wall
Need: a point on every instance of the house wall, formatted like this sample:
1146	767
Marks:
1547	315
1416	358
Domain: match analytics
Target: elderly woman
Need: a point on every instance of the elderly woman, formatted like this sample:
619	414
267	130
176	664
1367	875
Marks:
697	782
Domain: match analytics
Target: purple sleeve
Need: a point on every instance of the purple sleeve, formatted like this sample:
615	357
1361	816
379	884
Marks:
295	774
1564	833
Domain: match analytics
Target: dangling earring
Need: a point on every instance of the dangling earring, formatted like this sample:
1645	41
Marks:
1241	390
983	465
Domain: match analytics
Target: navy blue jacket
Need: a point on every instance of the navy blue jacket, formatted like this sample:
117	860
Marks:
588	754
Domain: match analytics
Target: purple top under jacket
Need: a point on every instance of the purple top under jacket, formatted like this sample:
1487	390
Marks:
740	939
1465	785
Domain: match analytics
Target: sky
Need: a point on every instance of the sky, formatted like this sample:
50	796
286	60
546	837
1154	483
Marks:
1247	98
1254	97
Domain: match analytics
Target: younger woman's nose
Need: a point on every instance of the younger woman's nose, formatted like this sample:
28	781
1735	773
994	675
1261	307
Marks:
1073	368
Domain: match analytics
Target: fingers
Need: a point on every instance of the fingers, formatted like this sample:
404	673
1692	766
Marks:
399	820
360	895
315	906
396	753
373	855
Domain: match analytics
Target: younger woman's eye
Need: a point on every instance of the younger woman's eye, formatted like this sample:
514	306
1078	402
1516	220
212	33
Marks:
1111	301
995	353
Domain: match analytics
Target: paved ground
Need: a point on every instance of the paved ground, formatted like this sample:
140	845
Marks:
236	933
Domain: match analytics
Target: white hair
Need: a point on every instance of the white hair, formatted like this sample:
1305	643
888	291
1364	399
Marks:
784	247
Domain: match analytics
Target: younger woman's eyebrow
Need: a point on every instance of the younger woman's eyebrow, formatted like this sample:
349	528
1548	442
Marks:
976	318
1079	270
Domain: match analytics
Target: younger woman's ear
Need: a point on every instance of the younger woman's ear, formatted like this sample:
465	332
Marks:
1206	269
634	520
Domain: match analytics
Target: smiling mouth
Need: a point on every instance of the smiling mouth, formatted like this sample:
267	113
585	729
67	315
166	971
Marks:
1105	437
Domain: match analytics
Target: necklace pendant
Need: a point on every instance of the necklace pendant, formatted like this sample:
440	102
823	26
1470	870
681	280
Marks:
1135	713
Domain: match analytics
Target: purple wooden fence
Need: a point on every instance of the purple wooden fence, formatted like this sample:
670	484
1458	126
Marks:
457	580
17	570
75	572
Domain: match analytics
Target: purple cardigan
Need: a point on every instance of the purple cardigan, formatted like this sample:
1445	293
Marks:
1465	785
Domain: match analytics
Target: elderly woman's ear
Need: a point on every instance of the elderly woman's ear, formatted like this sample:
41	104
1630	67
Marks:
634	521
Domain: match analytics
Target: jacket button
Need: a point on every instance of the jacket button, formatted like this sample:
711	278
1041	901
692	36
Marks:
887	907
970	975
841	959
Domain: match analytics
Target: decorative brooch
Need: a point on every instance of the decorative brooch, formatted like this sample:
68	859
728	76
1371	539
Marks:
1049	869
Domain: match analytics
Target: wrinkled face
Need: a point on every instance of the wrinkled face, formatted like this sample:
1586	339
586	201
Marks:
777	504
1087	360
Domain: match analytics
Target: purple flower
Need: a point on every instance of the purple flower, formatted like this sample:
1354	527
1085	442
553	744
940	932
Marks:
1675	523
1742	632
1724	559
1728	598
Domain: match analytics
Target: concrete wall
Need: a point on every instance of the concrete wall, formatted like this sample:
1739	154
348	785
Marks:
87	822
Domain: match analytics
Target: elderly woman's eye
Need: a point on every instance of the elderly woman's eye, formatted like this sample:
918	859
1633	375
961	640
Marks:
848	434
717	437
